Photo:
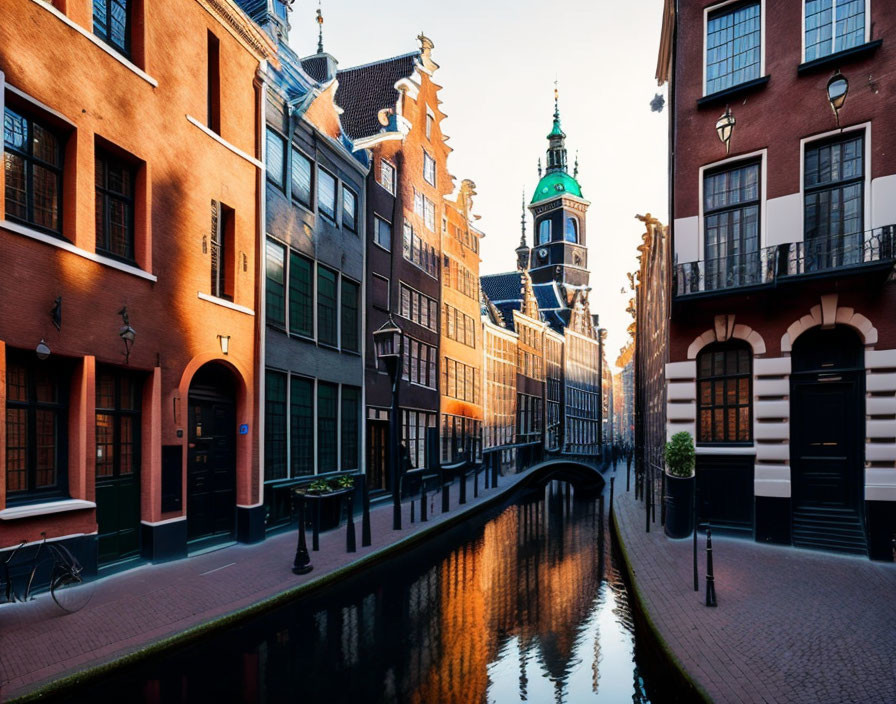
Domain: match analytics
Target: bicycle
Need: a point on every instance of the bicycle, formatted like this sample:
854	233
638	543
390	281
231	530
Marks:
68	588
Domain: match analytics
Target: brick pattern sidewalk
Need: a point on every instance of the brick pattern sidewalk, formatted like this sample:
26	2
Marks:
136	609
791	625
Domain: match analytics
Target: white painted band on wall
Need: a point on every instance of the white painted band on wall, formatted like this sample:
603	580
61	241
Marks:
681	411
773	452
771	431
880	429
880	359
775	488
771	387
682	391
880	452
880	405
726	451
880	493
681	371
672	428
765	410
880	383
771	366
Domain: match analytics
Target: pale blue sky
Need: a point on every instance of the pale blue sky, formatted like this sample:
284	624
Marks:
498	62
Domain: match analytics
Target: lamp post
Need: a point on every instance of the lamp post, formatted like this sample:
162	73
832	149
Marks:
388	342
837	89
724	128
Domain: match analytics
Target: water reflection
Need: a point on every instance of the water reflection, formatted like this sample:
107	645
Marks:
525	605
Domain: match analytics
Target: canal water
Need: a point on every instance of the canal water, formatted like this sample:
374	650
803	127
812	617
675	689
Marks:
522	603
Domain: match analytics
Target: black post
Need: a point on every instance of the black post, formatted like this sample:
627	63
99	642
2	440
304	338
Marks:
475	481
394	422
446	501
710	580
413	511
612	482
495	469
302	563
696	578
628	473
423	516
365	515
350	524
646	495
463	485
315	533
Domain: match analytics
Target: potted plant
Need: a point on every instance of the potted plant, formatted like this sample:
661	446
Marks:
329	493
680	460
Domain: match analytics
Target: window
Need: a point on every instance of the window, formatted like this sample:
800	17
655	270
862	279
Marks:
36	425
380	292
350	316
458	326
429	170
382	233
326	194
544	232
275	267
419	252
301	178
274	425
214	84
112	23
419	308
117	425
414	425
834	194
351	427
731	226
301	295
419	364
301	426
724	373
822	39
275	158
326	307
349	209
572	229
327	431
430	118
222	236
733	46
387	176
426	209
460	381
114	206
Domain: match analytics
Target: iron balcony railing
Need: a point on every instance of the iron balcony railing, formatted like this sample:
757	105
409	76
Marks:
814	256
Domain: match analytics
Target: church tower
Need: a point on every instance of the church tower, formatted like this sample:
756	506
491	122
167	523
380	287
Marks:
559	246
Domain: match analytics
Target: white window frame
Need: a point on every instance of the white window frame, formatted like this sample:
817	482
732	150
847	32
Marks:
391	188
834	29
376	217
719	6
429	161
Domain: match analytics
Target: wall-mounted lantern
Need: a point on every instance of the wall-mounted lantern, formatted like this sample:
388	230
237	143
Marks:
42	350
837	89
724	128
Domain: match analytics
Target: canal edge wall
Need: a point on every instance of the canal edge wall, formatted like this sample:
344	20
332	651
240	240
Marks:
190	634
670	660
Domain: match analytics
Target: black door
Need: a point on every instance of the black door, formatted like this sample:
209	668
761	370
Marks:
211	463
827	417
117	424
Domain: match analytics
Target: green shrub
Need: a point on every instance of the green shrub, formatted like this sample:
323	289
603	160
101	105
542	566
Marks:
319	485
679	455
345	481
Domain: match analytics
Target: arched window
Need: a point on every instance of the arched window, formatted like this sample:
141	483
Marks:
572	229
544	232
724	393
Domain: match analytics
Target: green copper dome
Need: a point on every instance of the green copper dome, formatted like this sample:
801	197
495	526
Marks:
556	183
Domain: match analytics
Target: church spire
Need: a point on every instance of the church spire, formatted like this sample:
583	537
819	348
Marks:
320	30
556	139
522	252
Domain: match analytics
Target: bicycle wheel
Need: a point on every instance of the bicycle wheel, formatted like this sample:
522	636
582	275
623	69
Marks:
68	587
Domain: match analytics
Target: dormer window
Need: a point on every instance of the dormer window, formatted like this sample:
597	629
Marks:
544	232
572	229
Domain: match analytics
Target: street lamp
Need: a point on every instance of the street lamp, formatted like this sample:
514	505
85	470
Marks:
724	128
388	341
837	89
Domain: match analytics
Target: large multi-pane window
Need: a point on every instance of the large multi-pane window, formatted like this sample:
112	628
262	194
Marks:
460	278
276	157
275	425
221	245
382	233
419	363
731	225
351	317
275	268
112	23
833	25
326	194
117	425
426	209
326	307
460	435
114	206
733	46
387	176
327	426
724	374
414	425
301	295
36	424
458	326
301	177
429	168
834	193
460	381
301	426
33	167
351	427
419	308
419	252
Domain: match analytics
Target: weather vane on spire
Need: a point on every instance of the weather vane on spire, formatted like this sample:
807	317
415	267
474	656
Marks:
556	100
320	30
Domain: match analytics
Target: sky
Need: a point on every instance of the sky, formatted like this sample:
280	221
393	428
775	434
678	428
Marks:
498	63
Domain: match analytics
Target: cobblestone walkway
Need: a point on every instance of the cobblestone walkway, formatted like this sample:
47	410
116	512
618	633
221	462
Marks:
791	625
151	604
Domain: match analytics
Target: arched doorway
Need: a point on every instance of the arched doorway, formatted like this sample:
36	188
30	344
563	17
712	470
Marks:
827	415
211	454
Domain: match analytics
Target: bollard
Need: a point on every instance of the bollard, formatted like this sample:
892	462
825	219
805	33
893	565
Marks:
612	482
696	578
413	504
710	581
463	488
350	525
302	563
494	475
446	501
423	517
365	515
628	476
315	527
476	481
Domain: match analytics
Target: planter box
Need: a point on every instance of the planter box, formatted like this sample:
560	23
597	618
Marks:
330	506
679	506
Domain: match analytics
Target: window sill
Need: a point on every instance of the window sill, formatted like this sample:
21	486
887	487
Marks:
726	449
98	42
69	247
224	303
724	96
223	142
833	61
377	244
43	509
299	336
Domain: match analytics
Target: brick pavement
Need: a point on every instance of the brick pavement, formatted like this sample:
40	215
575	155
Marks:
791	625
153	606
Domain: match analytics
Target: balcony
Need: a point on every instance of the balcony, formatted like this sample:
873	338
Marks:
817	257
